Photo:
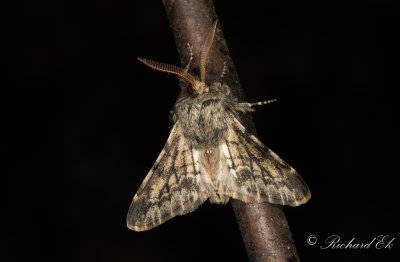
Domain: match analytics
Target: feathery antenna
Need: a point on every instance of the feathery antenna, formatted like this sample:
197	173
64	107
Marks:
163	67
206	50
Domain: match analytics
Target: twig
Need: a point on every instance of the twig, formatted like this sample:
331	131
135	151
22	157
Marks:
264	228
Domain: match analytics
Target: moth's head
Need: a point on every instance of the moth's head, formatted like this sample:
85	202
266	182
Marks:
200	87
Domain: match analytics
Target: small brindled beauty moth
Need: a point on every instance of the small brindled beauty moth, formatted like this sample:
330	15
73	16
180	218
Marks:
209	154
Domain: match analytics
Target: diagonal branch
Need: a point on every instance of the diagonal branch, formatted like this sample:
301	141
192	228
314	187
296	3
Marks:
264	228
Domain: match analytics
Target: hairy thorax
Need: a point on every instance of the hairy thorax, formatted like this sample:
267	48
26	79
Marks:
202	118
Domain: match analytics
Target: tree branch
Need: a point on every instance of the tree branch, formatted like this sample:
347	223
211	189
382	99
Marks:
264	228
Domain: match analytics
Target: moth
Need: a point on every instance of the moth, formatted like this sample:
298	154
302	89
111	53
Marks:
209	154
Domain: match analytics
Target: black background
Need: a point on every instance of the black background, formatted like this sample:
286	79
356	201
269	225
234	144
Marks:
84	122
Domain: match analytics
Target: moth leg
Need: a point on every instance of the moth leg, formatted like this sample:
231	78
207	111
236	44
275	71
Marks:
224	69
190	47
258	103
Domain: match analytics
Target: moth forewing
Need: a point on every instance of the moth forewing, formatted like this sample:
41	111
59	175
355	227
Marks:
210	155
260	174
170	188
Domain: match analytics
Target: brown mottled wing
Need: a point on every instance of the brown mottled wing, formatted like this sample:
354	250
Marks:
170	188
258	173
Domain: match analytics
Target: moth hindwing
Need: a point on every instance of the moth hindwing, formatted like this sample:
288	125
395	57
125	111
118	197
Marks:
210	155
